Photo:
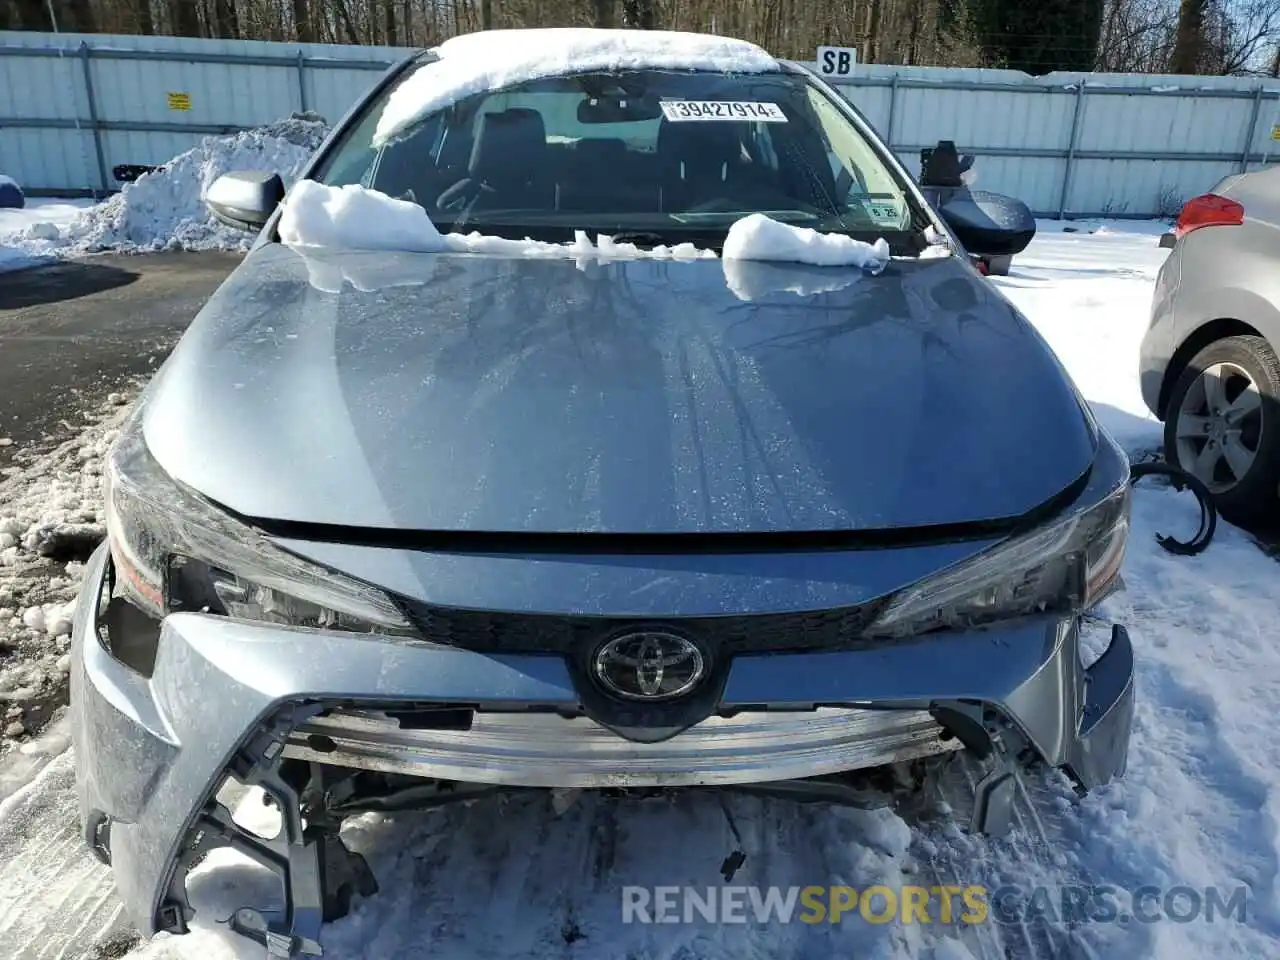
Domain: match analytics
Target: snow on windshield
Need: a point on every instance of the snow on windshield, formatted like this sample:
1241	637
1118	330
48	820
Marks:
479	62
353	217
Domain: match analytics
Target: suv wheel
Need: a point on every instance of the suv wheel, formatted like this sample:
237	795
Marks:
1222	424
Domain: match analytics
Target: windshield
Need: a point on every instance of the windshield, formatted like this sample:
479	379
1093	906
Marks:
652	155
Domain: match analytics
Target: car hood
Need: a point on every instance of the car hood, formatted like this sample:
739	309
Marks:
466	393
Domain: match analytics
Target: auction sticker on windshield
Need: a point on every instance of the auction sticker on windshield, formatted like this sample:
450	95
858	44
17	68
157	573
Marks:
685	110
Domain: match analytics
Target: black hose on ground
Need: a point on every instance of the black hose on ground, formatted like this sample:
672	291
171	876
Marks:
1182	480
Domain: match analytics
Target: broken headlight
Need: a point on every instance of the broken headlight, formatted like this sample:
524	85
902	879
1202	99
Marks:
1065	566
173	551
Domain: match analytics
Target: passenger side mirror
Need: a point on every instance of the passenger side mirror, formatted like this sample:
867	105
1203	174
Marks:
245	199
988	225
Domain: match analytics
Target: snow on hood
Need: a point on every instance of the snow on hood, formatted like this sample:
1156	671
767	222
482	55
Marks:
476	62
354	217
758	237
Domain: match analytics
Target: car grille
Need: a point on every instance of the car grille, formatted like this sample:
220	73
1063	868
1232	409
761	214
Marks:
840	628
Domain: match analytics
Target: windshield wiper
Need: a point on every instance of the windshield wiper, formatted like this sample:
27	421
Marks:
641	238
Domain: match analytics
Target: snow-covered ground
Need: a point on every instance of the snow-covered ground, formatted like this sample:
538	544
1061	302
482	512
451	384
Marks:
50	513
1197	808
25	232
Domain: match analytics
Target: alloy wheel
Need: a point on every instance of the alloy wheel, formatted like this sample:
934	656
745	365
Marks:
1219	426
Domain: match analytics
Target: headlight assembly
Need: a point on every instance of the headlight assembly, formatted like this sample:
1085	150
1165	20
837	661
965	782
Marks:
1068	565
173	550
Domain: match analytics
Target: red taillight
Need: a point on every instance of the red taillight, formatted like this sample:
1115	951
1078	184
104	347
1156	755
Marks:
1209	210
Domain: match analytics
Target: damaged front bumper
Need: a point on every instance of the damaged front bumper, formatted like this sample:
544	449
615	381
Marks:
231	699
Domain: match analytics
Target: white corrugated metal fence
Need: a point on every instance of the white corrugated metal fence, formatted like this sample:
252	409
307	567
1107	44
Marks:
74	106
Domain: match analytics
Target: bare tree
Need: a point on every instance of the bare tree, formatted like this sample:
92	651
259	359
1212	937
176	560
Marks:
302	21
184	18
32	15
639	14
1245	31
142	18
1190	45
1138	36
887	31
223	19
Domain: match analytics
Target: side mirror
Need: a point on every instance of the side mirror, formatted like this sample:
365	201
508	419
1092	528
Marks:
989	225
245	199
1168	241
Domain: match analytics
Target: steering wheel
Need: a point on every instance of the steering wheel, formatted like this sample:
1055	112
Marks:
460	194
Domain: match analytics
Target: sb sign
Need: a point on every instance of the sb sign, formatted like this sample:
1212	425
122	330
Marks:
837	61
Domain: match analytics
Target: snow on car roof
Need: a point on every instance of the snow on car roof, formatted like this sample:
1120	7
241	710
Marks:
476	62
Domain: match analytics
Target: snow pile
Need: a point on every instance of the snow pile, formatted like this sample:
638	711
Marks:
51	516
29	235
493	59
757	237
165	209
354	217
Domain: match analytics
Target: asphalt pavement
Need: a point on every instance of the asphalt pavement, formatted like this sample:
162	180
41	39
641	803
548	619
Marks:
72	332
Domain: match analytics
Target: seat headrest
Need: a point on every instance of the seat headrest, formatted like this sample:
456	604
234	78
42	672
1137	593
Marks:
700	145
606	151
508	145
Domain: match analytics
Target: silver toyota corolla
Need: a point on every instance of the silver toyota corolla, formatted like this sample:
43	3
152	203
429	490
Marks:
393	529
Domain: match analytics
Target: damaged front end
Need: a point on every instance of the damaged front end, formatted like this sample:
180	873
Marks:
328	725
209	660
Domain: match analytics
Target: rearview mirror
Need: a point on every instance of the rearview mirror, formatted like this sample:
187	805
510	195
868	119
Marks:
245	199
602	110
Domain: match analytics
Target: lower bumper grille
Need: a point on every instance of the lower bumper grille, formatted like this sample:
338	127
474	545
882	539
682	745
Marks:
546	750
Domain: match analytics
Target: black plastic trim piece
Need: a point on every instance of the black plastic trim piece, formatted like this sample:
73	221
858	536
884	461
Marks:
653	544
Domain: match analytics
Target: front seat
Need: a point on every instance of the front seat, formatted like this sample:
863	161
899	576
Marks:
701	163
508	165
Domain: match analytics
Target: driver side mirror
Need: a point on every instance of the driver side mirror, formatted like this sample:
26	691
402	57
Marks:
245	199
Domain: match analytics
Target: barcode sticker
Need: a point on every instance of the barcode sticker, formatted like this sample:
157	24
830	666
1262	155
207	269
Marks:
695	110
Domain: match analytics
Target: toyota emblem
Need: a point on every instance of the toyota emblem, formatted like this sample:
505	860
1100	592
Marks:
649	666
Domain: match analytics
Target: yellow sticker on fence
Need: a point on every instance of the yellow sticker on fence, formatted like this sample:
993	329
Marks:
1275	132
179	101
